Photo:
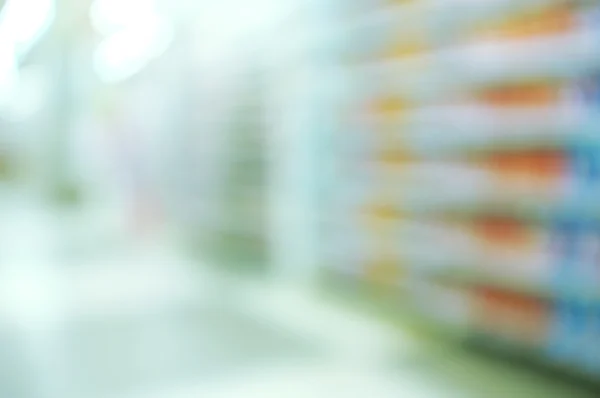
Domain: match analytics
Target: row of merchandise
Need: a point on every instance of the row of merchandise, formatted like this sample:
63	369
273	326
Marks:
538	183
561	332
514	116
554	260
471	167
557	41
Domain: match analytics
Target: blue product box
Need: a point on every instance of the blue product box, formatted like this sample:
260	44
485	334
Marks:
590	91
566	331
564	247
590	348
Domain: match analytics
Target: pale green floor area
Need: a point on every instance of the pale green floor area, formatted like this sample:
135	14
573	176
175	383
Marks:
87	313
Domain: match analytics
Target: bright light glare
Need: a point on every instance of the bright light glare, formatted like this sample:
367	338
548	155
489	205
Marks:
111	16
9	73
31	94
125	53
22	23
237	16
226	22
136	34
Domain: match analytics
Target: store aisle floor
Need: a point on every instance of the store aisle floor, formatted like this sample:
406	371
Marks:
87	314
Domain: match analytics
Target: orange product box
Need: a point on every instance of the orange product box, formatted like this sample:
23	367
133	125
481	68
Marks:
514	247
556	19
542	164
547	167
509	174
511	316
508	164
522	95
536	172
500	232
505	240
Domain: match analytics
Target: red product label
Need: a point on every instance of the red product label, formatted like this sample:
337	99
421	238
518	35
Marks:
532	94
511	316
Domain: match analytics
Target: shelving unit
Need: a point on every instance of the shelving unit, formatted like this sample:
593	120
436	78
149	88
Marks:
470	169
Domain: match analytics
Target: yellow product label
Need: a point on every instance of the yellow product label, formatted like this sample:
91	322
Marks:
389	105
553	20
390	114
376	226
407	48
397	157
382	212
383	265
401	2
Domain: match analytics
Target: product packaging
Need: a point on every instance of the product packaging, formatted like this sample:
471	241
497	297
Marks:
591	347
455	244
570	317
511	317
567	330
514	251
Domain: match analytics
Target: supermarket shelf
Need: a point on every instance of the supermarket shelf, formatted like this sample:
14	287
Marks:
422	142
397	309
384	24
445	72
531	358
474	130
525	212
449	73
470	278
471	275
389	304
516	140
553	58
445	95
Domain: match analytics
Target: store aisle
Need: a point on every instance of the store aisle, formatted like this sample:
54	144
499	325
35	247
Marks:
142	320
